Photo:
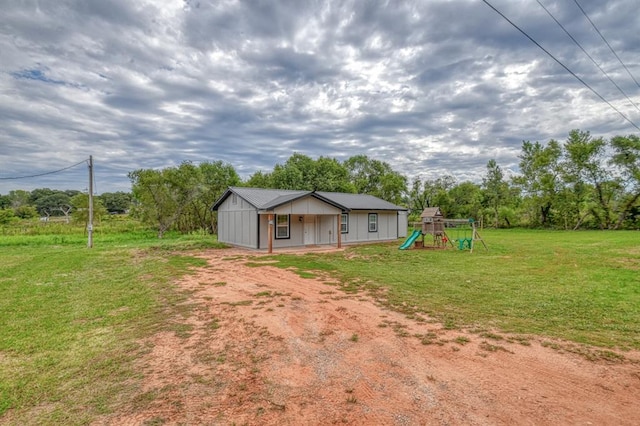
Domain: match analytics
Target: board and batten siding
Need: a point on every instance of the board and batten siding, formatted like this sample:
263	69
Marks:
359	226
403	223
238	223
323	215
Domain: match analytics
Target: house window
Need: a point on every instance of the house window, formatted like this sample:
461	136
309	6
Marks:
234	199
282	226
344	223
373	222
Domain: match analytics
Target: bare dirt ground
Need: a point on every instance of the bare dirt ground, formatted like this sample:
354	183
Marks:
264	347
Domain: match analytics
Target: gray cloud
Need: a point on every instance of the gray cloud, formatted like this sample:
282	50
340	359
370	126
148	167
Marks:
433	88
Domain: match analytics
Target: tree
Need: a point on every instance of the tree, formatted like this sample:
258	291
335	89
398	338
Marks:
585	160
298	172
376	178
6	216
626	157
26	212
331	176
164	194
465	201
53	204
495	189
39	193
213	180
259	179
5	202
431	193
181	197
80	204
540	179
19	198
116	202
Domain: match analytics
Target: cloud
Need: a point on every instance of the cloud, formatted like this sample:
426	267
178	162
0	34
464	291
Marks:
432	88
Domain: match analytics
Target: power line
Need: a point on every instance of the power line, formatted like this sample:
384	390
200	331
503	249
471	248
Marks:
43	174
588	56
561	64
606	42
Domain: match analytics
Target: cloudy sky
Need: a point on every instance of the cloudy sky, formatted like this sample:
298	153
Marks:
432	87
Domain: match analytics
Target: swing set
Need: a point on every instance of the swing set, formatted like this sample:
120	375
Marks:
442	230
466	233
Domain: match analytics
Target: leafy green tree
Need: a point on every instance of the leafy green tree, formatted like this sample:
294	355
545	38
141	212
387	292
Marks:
80	212
331	176
585	165
39	193
26	212
5	202
6	216
259	179
495	189
541	179
298	172
465	201
304	173
164	194
431	193
377	178
626	158
19	198
55	204
116	202
213	180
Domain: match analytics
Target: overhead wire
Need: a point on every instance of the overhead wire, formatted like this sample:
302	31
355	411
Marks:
588	55
606	42
43	174
562	65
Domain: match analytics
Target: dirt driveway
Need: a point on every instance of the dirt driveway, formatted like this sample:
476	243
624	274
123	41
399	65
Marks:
266	347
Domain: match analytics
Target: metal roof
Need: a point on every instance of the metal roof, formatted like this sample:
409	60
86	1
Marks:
266	199
359	201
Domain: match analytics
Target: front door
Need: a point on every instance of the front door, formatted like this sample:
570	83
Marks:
309	231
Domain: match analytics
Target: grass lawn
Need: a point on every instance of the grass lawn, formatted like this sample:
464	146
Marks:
72	317
579	286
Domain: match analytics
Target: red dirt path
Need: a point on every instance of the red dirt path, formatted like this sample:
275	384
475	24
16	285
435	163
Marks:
266	347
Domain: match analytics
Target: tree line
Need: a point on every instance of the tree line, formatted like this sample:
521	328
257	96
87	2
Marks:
70	204
581	183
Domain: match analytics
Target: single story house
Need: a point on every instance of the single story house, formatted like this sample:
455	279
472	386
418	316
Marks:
274	218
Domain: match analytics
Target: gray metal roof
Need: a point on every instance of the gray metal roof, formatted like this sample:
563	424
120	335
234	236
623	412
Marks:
359	201
266	199
263	198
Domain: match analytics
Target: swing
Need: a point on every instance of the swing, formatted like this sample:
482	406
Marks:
464	242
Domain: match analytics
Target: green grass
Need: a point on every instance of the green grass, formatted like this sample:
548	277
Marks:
72	318
580	286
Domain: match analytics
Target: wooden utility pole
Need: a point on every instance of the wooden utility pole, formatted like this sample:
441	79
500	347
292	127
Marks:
270	234
340	230
90	224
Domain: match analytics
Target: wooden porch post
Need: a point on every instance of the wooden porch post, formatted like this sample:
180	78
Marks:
340	231
270	235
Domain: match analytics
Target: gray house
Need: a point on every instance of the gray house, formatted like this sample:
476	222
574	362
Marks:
275	218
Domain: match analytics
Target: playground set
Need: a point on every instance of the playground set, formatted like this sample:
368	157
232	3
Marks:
442	230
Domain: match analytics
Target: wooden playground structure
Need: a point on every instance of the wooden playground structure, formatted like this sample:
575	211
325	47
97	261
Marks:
457	233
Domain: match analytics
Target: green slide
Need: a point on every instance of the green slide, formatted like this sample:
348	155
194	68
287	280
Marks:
411	239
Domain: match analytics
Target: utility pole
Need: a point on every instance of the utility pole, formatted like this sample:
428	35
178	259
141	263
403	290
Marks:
90	225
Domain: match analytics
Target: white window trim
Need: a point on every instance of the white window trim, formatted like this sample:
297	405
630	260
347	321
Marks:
286	225
374	222
345	223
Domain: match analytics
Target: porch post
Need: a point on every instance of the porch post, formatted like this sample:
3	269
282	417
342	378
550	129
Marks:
339	231
270	235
